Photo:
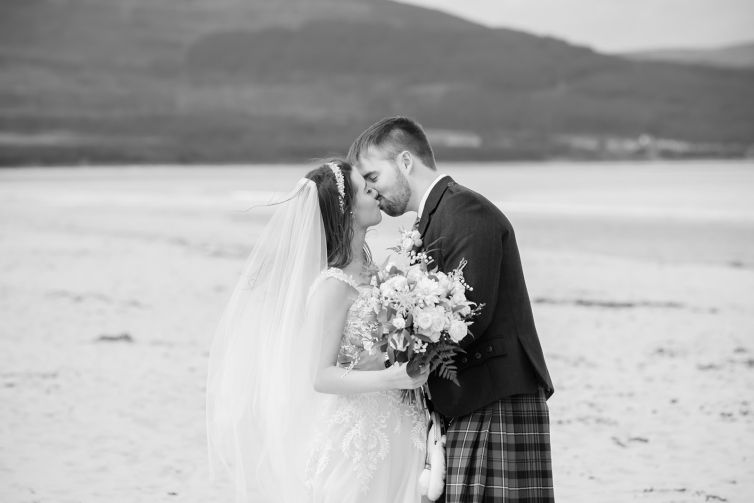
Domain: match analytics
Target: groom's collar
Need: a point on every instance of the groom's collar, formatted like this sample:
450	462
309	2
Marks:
423	201
432	200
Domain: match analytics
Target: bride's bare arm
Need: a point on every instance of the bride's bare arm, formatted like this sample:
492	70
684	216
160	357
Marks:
330	307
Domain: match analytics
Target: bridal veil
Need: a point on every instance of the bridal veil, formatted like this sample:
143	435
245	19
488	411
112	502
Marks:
260	396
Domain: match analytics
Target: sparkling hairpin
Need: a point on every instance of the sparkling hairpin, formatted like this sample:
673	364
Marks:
341	184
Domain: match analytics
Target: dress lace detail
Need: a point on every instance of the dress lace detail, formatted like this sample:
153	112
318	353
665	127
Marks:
365	420
357	429
334	272
360	331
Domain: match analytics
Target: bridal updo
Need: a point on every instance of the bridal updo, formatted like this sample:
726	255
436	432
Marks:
337	219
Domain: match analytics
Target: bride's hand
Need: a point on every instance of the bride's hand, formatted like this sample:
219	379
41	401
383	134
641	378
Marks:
398	378
371	361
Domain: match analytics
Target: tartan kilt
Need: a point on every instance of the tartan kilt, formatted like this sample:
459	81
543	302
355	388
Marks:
501	453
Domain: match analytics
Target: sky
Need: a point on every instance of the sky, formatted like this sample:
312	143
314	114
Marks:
616	25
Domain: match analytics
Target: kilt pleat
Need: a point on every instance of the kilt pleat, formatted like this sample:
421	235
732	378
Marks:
501	453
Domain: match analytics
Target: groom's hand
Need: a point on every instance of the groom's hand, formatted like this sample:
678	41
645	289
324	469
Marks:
371	361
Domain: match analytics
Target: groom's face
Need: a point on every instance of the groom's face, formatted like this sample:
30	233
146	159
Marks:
383	175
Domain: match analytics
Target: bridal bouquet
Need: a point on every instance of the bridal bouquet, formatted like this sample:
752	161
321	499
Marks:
423	312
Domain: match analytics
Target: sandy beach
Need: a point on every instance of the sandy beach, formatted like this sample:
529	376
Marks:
112	280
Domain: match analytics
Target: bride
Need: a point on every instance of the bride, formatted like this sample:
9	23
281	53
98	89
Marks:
298	406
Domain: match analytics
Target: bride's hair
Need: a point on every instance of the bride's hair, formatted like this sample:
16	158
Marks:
338	223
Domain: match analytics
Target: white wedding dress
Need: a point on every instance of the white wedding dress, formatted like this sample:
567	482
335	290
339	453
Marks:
267	428
369	447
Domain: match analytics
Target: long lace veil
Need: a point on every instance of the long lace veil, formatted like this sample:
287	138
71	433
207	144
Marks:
260	397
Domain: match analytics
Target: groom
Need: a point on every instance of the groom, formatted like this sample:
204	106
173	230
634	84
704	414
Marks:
498	440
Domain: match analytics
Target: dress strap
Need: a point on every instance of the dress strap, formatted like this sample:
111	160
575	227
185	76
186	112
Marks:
339	274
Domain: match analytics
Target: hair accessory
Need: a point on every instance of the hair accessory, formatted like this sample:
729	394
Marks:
341	184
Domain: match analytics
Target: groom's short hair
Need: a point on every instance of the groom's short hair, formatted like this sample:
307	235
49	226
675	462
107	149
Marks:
394	134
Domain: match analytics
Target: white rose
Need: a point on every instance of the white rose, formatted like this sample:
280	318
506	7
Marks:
433	336
457	330
407	243
399	323
423	319
465	311
438	320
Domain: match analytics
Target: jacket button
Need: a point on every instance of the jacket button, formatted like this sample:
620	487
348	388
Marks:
478	356
464	360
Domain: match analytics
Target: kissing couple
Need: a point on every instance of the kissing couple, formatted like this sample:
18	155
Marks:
301	409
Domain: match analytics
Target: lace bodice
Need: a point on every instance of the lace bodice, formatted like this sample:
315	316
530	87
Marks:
360	330
357	430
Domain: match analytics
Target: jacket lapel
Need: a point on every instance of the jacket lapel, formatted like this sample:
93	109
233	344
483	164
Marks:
433	200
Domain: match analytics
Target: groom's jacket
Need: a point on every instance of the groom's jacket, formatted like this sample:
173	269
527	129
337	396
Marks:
504	356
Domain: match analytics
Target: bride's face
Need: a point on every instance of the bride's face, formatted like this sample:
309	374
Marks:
366	209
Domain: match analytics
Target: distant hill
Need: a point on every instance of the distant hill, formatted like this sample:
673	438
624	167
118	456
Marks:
288	80
734	56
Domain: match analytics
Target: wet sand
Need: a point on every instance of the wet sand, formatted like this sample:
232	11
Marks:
111	282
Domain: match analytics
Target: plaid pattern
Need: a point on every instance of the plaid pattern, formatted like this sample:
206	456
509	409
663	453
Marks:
501	453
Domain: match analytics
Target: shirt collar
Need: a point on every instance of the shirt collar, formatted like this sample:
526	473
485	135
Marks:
426	195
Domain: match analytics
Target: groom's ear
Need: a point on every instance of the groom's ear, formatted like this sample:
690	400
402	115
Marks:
406	161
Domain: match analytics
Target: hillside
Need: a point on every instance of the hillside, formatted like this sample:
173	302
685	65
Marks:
275	80
734	56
